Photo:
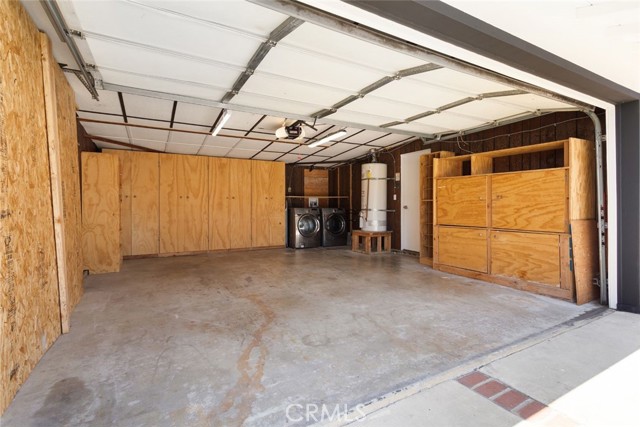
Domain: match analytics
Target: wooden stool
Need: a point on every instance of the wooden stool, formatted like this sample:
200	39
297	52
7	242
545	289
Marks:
382	241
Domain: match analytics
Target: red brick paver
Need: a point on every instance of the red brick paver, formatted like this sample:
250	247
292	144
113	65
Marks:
510	399
491	388
472	379
531	409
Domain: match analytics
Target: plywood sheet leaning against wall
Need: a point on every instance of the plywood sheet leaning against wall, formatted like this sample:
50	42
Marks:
65	181
30	317
101	213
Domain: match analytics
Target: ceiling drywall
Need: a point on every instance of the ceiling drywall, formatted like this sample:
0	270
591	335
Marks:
169	68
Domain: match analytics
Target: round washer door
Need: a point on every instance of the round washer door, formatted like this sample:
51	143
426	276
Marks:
335	224
308	225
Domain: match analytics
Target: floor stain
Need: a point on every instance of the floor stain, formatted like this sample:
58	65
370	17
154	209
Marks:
236	405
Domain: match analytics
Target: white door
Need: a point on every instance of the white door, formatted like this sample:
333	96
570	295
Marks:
410	200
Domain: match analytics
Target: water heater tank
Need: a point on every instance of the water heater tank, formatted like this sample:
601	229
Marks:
373	213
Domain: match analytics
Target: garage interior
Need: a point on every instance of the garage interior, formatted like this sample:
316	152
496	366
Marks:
152	157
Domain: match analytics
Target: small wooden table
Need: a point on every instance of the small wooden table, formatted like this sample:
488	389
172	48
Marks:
382	241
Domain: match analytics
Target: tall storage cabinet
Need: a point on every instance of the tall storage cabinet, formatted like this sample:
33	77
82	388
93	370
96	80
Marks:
426	204
229	204
124	159
183	204
145	181
533	230
268	204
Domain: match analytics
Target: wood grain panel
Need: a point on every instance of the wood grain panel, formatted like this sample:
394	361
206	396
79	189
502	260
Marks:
461	201
29	293
462	247
101	213
277	219
446	167
124	159
169	204
526	256
584	234
219	210
194	212
240	203
582	179
268	203
481	165
316	183
145	182
60	104
534	201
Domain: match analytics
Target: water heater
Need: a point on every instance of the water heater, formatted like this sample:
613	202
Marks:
373	213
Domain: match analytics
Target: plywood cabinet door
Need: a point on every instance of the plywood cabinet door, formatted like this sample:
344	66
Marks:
124	159
534	201
194	203
145	181
268	204
463	248
169	204
219	211
462	201
240	215
101	213
526	256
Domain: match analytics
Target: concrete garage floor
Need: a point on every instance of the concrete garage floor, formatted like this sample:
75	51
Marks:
235	338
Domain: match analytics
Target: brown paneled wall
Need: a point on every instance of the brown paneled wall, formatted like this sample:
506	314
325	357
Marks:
550	127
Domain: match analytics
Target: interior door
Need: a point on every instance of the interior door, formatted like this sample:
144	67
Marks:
410	200
240	203
219	204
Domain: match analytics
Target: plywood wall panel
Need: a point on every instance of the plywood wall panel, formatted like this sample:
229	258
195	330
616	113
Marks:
240	217
145	209
65	181
316	183
277	219
219	204
101	213
29	297
124	160
582	179
194	200
260	203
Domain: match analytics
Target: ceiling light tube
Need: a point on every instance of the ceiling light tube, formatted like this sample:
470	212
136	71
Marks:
223	120
328	138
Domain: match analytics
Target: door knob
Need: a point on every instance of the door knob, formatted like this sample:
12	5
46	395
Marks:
405	207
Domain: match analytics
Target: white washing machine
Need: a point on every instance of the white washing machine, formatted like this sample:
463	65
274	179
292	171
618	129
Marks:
305	228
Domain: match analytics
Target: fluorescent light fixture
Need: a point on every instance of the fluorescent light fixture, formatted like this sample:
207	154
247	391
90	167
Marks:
328	138
223	120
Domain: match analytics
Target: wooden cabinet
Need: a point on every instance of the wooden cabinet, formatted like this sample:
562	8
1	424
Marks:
463	248
171	203
229	203
100	213
240	215
268	204
124	160
426	204
526	256
183	219
144	187
529	229
462	201
532	200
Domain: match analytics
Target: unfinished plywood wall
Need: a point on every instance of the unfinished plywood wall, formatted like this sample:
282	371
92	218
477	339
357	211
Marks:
316	183
29	310
65	181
